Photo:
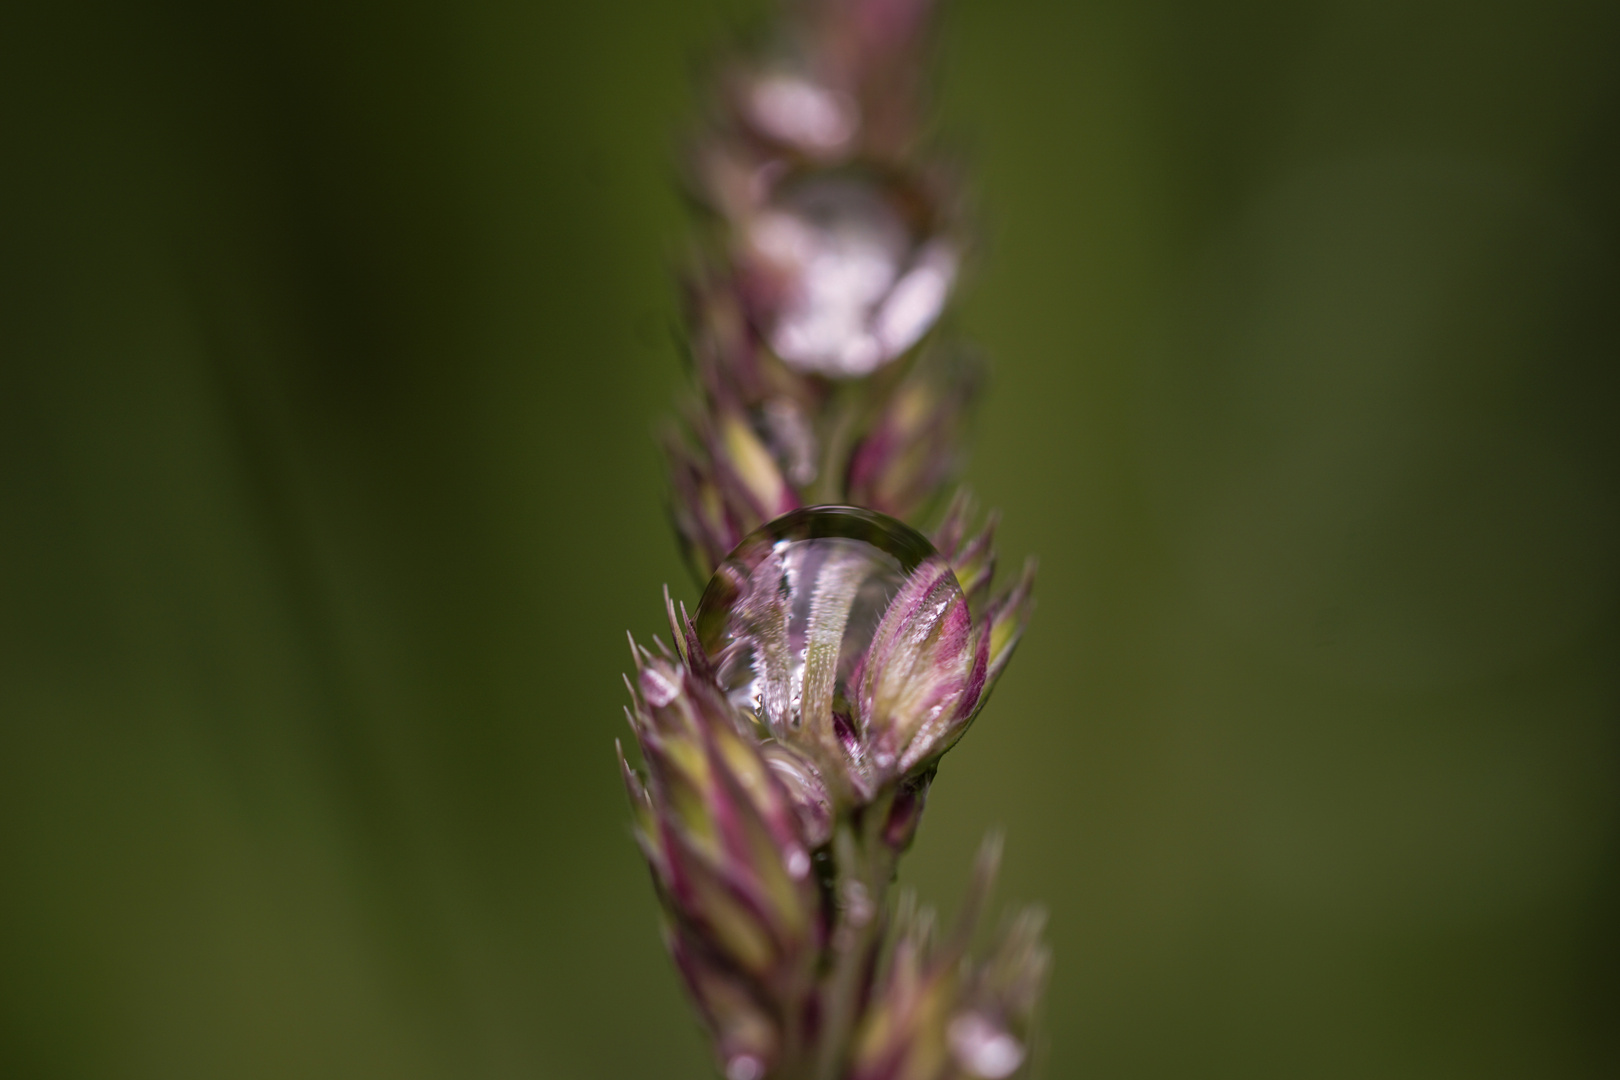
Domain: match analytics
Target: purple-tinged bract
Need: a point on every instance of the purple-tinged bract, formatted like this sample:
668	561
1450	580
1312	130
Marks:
939	1014
729	841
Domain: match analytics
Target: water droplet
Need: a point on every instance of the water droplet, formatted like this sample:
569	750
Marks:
791	612
745	1067
983	1047
798	864
854	279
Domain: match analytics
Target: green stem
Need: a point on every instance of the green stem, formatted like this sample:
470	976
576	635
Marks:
865	868
838	431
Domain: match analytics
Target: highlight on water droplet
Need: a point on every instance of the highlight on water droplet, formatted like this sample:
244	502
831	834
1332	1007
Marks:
983	1047
800	112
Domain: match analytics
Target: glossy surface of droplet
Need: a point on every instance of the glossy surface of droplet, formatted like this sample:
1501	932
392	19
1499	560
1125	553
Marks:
856	281
789	615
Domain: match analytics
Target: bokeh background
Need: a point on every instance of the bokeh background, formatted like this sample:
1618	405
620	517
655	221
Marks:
332	337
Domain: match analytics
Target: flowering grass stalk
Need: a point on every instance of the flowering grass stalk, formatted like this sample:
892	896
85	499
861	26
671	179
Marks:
790	731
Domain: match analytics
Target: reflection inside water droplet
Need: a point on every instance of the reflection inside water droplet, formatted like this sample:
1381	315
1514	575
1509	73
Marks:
790	613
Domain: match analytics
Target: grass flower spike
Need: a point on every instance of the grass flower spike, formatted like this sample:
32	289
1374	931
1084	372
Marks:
790	733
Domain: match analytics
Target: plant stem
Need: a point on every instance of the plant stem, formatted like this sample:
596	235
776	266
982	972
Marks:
844	409
865	868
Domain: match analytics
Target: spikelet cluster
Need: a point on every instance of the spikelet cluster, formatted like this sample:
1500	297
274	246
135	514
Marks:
772	822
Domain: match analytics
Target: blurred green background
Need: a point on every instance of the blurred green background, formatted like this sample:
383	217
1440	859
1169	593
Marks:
332	336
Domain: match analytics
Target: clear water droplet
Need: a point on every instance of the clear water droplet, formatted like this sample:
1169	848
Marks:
791	612
983	1047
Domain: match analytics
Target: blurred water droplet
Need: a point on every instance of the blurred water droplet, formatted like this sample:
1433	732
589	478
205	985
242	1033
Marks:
792	610
983	1047
744	1067
853	283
